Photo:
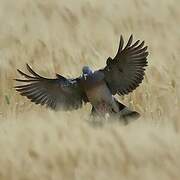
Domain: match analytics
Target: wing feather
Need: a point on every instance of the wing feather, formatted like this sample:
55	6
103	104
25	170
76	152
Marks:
54	93
125	71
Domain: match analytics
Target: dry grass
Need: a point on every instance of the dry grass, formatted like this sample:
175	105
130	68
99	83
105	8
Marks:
61	36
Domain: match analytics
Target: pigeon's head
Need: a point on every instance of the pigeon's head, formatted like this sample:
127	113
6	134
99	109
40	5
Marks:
86	71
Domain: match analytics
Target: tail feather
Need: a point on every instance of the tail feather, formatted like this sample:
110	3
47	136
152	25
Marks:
126	114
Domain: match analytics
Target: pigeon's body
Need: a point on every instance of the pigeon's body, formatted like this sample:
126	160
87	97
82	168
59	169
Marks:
99	94
121	75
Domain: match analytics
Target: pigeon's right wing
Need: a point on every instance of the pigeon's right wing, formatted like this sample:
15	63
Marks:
58	93
125	71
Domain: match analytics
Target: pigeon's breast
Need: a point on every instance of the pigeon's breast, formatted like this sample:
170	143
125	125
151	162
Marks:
95	87
98	93
101	98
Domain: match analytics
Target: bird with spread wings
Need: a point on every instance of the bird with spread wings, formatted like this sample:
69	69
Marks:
121	75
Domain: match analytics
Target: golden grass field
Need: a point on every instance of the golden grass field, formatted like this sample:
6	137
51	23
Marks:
61	36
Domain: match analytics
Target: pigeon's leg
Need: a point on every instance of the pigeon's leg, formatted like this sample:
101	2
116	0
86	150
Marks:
126	114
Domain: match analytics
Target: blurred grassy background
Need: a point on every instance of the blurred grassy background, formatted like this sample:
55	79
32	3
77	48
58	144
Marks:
62	36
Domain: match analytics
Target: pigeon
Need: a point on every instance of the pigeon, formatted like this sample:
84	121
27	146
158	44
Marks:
121	75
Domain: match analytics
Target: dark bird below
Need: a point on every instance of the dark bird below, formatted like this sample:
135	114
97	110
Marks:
121	75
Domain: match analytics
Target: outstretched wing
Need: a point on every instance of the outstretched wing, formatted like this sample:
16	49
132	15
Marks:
59	93
125	72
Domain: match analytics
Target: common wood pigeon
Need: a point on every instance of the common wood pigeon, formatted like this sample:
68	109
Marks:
121	75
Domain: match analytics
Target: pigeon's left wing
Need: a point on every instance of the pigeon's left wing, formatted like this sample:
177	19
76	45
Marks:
58	93
125	71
